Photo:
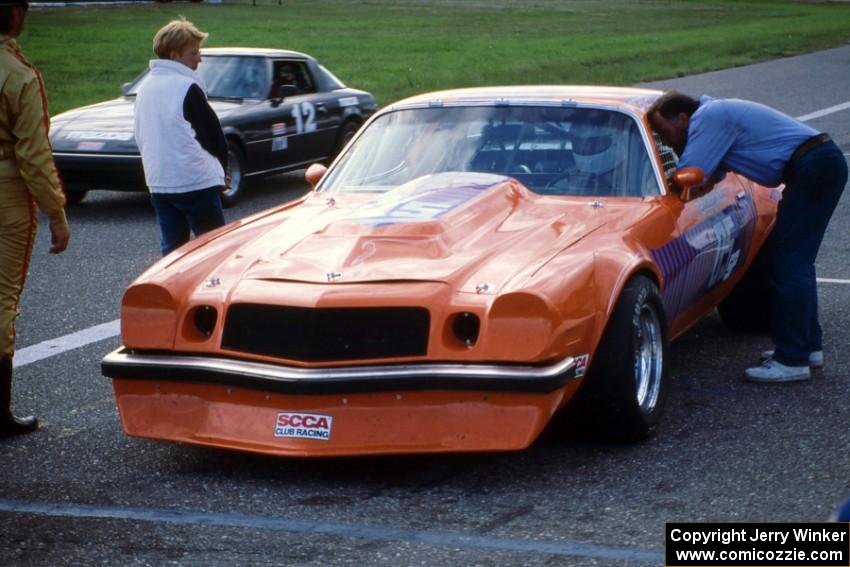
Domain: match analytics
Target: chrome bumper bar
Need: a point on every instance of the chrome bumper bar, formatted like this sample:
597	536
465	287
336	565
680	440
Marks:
129	365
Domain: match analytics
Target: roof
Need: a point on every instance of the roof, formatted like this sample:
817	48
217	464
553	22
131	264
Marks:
253	51
635	98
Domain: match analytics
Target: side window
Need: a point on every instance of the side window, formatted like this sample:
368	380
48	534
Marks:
669	159
294	73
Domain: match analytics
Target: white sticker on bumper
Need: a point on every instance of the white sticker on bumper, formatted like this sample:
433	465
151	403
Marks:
303	426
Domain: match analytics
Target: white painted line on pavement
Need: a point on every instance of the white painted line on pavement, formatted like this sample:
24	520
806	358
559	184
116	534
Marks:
59	345
833	280
390	534
824	112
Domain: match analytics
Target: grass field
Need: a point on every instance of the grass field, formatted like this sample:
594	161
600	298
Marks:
399	47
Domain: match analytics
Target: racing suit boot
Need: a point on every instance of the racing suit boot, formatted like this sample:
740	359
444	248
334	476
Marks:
9	424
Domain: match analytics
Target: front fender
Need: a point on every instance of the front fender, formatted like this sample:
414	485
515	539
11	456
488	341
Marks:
596	275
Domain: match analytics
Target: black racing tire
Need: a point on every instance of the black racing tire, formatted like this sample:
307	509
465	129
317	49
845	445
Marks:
747	308
346	133
236	172
74	195
623	395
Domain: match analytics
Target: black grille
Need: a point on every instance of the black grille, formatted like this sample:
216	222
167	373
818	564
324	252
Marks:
322	334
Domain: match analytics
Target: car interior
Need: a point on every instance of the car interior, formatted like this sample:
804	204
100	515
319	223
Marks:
551	150
295	74
582	160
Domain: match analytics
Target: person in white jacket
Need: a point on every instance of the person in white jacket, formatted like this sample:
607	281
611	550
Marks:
184	151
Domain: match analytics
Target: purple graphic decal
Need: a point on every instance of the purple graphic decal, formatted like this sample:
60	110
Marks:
706	255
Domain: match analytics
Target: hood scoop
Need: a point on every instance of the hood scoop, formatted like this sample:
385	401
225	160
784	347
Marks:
434	228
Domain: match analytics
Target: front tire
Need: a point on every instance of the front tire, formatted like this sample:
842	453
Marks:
346	133
623	395
74	196
236	171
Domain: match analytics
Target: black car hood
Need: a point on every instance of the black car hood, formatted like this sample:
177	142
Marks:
110	122
110	116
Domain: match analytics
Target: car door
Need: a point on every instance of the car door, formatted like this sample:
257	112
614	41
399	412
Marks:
311	126
713	235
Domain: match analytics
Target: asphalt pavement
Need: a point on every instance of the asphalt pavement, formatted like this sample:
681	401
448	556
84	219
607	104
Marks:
81	492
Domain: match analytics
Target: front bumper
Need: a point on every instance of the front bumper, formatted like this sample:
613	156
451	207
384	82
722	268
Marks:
369	410
88	171
124	364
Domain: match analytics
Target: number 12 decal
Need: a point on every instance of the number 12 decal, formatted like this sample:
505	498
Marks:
305	117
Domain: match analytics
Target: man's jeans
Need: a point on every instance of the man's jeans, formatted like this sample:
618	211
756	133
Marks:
813	188
177	213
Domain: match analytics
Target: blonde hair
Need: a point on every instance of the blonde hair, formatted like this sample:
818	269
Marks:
175	35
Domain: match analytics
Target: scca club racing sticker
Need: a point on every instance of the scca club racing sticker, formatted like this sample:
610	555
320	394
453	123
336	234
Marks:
303	426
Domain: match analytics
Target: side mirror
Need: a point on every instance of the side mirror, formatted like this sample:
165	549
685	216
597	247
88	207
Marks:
125	88
283	91
314	174
687	179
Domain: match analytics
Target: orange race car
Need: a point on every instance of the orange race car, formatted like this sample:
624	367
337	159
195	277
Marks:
473	262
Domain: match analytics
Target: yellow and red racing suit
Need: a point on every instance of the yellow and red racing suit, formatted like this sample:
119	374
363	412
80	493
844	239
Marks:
28	177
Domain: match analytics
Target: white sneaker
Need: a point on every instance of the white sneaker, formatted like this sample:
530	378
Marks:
815	358
772	371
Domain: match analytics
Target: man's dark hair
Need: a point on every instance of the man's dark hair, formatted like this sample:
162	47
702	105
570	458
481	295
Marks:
672	103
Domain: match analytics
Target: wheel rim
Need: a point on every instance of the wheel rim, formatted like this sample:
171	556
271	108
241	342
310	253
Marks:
649	359
234	171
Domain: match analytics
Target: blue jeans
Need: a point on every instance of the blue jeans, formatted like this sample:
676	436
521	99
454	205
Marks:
177	213
813	188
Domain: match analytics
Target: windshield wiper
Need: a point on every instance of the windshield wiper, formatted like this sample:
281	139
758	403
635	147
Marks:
229	98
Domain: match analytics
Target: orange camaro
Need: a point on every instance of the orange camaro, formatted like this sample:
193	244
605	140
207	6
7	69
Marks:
473	262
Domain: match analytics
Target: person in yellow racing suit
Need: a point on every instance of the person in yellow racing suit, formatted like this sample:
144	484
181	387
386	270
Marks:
28	178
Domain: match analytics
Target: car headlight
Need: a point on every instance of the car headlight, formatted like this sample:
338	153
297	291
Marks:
148	317
519	327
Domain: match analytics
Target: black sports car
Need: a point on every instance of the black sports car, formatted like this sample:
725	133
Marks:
280	110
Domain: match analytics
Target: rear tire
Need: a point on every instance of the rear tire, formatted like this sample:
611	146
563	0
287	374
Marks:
236	171
747	308
623	395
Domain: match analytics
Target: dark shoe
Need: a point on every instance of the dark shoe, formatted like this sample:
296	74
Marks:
18	426
9	424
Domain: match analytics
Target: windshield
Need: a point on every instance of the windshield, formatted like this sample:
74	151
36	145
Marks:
228	77
551	150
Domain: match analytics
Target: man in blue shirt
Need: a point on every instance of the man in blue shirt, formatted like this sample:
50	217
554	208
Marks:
769	147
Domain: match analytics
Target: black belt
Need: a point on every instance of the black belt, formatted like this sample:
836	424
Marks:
802	150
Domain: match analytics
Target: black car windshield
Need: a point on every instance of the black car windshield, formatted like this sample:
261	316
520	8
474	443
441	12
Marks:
551	150
229	77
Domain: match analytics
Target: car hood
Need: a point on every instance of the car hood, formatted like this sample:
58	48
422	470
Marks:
465	229
110	122
110	117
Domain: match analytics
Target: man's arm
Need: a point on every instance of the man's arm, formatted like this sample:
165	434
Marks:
710	136
35	161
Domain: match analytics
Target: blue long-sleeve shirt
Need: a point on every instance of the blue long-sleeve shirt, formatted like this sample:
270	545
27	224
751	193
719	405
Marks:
746	137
